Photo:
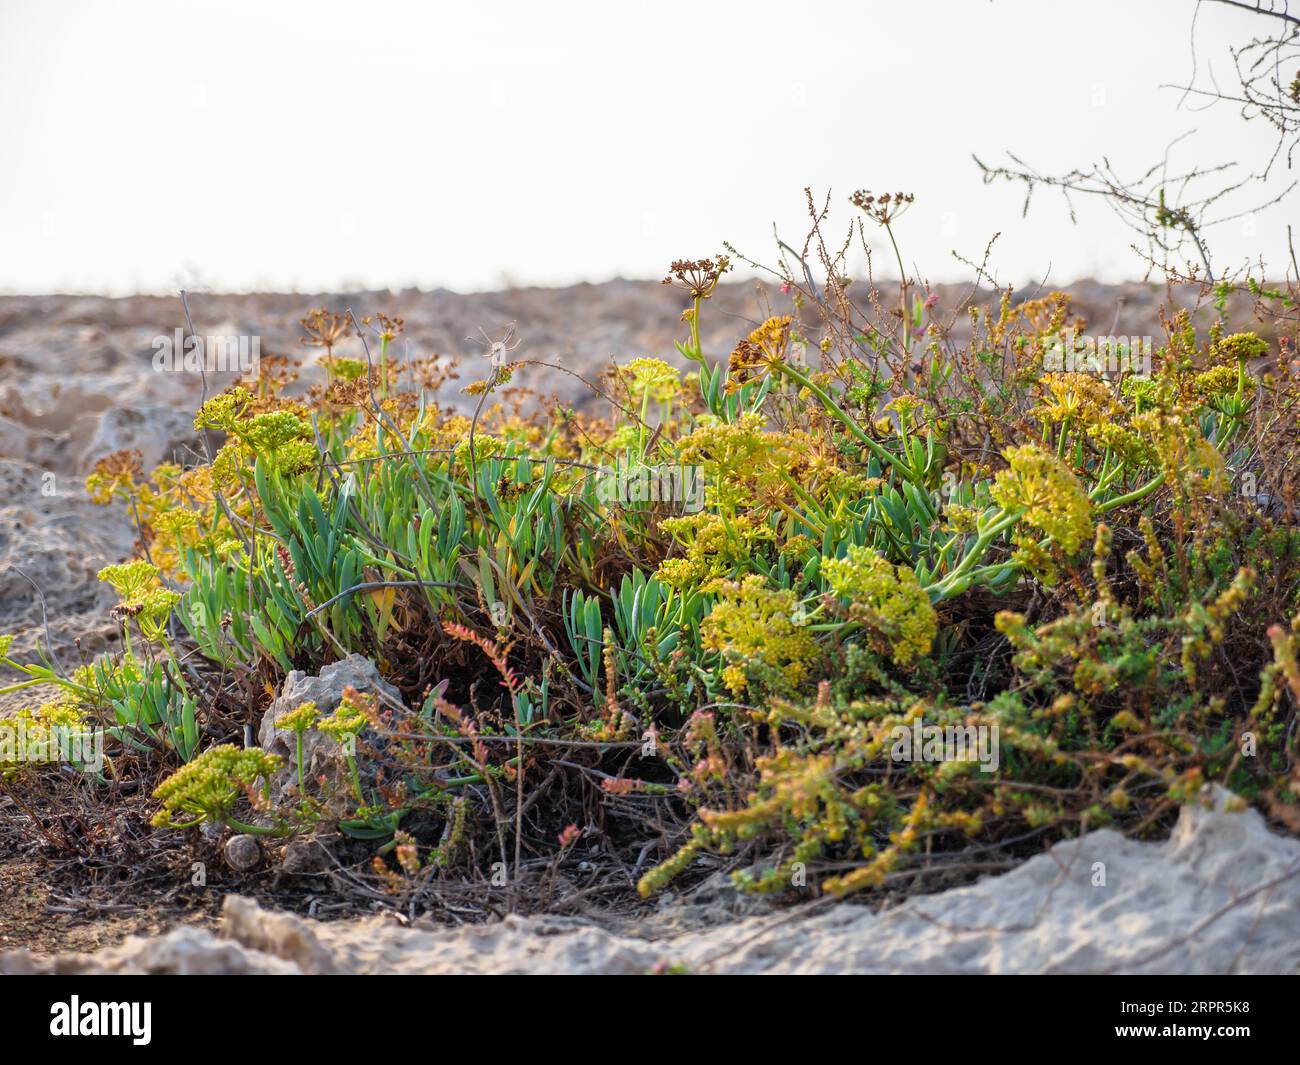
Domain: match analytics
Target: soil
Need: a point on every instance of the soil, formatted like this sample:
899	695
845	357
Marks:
34	915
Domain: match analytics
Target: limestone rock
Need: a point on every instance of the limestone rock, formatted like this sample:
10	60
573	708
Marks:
321	755
159	433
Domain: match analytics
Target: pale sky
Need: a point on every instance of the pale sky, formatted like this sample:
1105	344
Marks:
315	145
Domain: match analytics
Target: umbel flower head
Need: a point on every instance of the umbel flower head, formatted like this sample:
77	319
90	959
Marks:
131	580
299	719
143	597
697	277
348	720
1049	495
1081	399
114	473
29	736
224	412
760	352
887	598
715	546
651	379
753	625
1238	347
207	788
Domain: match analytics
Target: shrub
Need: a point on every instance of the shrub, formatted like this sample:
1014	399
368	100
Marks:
897	535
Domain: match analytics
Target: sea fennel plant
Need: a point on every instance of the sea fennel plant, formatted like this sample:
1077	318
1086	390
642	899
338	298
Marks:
892	529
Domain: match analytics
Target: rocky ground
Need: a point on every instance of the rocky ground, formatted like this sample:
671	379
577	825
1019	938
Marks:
78	382
1222	895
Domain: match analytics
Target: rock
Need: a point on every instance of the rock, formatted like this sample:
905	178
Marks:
280	935
302	857
53	542
159	433
321	755
40	448
181	952
1221	895
243	852
714	902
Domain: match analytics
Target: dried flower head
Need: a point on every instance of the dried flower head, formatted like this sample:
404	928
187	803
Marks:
697	277
324	329
883	208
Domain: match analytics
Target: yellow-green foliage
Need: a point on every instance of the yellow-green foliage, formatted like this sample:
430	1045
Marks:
1048	496
210	787
754	628
888	599
863	522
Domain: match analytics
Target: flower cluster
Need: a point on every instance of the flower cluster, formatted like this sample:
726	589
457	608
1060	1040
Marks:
715	547
761	352
143	598
889	599
209	787
300	719
755	629
650	379
349	718
1041	488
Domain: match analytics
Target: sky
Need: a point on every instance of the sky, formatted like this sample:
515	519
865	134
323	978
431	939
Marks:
254	146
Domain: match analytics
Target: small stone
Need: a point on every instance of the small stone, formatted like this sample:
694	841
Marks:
243	852
321	755
303	856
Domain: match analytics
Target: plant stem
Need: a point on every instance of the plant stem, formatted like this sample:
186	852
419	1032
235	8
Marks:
1133	497
954	583
833	409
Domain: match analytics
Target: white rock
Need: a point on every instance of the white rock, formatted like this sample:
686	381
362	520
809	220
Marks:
322	755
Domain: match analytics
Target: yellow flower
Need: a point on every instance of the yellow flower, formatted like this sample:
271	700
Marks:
1185	456
348	720
207	788
736	457
753	627
1082	399
273	430
130	580
1050	496
299	719
760	352
715	546
887	598
651	378
1239	347
143	598
114	474
224	412
1220	381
